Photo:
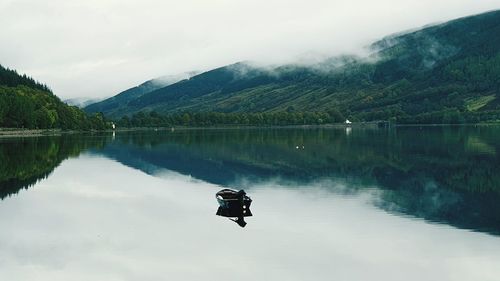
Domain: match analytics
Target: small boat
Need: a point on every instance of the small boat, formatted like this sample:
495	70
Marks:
234	204
230	198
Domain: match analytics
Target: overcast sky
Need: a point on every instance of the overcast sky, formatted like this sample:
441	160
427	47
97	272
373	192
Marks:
97	48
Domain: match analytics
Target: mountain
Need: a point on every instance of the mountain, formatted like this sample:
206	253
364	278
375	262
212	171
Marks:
25	103
81	102
446	73
115	104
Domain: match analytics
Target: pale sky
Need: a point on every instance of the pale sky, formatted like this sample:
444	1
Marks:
97	48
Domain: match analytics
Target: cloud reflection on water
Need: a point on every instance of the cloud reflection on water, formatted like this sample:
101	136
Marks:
118	223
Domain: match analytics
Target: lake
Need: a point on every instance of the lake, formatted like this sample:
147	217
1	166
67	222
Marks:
408	203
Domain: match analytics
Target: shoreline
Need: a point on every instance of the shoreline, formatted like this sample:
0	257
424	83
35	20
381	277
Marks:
367	125
18	132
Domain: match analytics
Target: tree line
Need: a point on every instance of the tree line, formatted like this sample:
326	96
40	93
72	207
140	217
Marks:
204	119
26	107
285	118
10	77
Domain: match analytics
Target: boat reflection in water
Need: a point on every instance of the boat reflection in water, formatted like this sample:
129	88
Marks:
234	204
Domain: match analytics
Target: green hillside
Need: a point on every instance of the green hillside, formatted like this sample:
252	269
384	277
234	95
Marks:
114	105
25	103
447	73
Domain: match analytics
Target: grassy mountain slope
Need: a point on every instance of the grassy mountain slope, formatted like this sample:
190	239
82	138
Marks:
115	104
440	74
25	103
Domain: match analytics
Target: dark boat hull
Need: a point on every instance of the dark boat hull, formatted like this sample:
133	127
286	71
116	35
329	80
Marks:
232	199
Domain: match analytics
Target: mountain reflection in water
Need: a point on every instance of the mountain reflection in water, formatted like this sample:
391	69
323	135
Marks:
25	161
441	174
446	175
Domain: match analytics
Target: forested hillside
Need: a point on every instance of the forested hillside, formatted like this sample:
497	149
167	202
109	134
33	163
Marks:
11	78
25	103
447	73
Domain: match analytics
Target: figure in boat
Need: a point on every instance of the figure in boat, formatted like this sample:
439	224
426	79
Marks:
234	204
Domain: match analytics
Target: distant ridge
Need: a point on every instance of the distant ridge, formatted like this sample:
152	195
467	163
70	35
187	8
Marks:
114	105
81	102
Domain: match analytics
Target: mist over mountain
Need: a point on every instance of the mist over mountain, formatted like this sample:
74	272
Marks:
445	73
81	102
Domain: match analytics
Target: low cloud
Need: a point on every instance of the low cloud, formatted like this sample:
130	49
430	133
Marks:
99	48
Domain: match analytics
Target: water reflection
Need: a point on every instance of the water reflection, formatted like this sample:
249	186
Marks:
25	161
446	175
118	223
341	204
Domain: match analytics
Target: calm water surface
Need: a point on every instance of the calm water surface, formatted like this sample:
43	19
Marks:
328	204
